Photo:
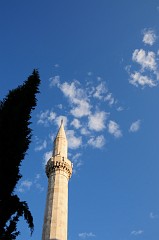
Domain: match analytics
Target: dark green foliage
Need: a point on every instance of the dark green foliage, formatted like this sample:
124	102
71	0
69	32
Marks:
15	136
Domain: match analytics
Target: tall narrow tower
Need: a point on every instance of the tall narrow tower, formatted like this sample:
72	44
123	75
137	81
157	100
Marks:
59	171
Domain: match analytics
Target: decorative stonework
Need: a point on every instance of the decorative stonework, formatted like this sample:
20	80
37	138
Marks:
58	164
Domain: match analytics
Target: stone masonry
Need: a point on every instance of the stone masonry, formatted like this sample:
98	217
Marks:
59	171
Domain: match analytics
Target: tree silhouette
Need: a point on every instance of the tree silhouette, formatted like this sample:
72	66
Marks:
15	137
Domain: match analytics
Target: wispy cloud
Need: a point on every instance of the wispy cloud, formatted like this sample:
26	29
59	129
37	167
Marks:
114	129
47	156
119	109
97	142
70	90
37	183
137	79
146	60
110	99
74	142
90	73
135	126
77	162
41	146
137	232
96	121
78	97
59	119
100	91
153	216
85	110
39	187
54	81
60	106
86	235
81	109
149	36
76	123
24	186
46	117
37	177
85	131
56	65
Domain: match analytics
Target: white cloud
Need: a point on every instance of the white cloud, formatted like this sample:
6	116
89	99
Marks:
77	163
86	235
119	109
56	65
60	106
153	216
135	126
25	185
148	72
77	97
21	190
97	142
110	99
84	131
76	156
41	146
99	78
137	79
128	68
37	184
47	156
42	117
114	129
146	60
81	109
51	116
73	141
80	103
52	137
97	121
80	99
69	90
46	117
39	187
54	81
100	90
89	73
149	37
59	119
136	233
37	176
76	123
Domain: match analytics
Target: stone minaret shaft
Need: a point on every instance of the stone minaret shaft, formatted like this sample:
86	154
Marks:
59	171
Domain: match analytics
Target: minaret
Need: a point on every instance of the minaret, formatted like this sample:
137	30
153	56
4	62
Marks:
59	171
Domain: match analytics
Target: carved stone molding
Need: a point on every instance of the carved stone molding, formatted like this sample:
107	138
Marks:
54	165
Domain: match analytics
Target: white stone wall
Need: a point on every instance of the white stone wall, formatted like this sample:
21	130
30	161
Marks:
56	213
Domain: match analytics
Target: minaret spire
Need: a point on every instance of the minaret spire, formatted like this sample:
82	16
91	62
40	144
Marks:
59	171
60	142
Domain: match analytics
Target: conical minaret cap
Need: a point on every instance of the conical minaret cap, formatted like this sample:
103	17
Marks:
60	142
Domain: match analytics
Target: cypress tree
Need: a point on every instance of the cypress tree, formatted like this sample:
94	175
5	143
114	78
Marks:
15	137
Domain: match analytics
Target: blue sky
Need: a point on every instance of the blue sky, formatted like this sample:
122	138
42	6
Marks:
98	62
